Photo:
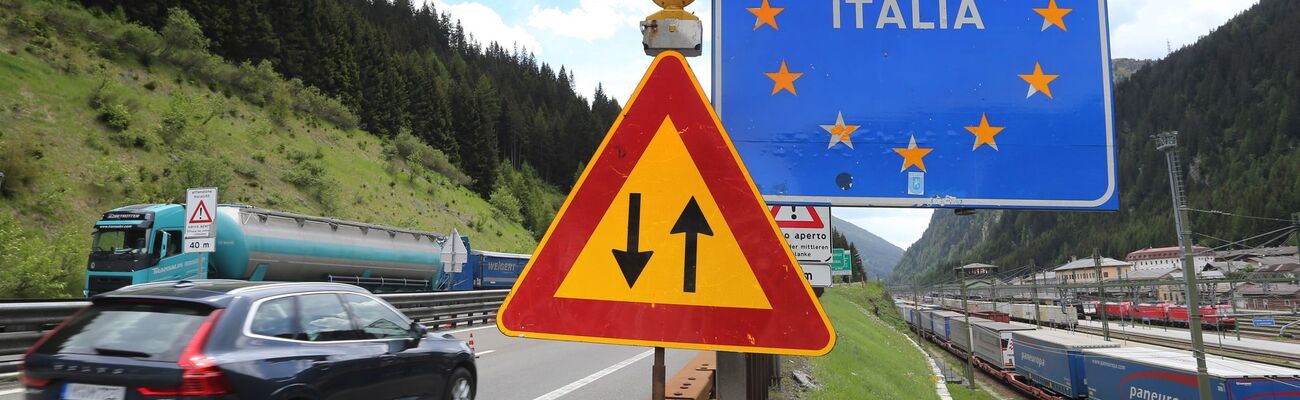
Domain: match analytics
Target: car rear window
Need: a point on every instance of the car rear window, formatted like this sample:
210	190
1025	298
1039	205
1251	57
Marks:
151	331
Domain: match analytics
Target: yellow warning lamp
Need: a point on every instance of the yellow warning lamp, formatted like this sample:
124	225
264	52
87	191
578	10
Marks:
672	28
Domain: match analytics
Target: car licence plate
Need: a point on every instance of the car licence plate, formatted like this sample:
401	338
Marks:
81	391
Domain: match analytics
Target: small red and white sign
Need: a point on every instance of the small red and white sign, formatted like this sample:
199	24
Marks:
807	229
200	215
200	227
807	217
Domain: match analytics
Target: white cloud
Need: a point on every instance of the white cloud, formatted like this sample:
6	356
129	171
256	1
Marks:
1146	28
899	226
487	26
592	19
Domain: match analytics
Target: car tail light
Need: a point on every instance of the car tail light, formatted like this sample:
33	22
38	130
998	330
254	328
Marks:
199	373
27	380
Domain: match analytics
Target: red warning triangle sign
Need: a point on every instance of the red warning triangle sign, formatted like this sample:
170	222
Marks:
665	241
794	218
201	214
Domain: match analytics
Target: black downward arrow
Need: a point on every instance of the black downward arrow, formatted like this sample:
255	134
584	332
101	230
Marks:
693	224
633	261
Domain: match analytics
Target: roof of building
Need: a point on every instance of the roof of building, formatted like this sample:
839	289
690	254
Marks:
1163	252
1155	273
1273	289
1274	260
1202	275
978	266
1286	267
1258	252
1224	266
1089	263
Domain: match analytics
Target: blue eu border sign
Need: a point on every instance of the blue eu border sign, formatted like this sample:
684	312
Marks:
920	103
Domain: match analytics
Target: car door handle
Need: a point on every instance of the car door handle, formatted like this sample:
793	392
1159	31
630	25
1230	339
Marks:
321	365
388	359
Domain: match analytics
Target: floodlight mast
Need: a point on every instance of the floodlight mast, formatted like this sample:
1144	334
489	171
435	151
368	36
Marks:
1167	142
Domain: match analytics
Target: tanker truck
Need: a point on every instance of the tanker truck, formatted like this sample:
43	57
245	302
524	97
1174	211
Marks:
142	243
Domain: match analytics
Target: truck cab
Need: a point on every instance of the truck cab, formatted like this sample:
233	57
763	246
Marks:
140	243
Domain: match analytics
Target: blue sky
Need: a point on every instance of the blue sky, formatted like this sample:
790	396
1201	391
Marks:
599	40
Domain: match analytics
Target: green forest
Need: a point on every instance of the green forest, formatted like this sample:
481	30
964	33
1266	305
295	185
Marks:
1235	98
407	69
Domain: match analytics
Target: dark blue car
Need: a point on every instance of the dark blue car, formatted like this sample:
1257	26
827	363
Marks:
245	340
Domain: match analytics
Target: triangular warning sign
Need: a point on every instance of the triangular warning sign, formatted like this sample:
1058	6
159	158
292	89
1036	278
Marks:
201	214
797	217
665	241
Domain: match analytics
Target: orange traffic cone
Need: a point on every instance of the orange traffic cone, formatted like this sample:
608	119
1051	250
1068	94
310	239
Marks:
471	343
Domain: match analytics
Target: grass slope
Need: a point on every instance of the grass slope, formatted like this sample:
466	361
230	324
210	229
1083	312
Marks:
65	167
872	358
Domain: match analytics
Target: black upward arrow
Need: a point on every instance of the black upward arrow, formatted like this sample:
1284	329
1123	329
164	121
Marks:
633	261
693	224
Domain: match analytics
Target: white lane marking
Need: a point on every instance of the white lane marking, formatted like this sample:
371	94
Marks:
483	353
12	391
557	393
468	329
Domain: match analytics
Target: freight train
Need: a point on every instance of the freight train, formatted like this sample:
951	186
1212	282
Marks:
1050	364
142	243
1062	317
1213	317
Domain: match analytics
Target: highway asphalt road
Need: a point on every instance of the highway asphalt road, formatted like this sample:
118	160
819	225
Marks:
529	369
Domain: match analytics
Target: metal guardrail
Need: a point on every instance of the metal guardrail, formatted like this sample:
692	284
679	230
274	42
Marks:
21	324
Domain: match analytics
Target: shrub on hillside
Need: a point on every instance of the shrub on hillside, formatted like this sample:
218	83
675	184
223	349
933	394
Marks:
116	116
36	267
176	119
535	206
310	177
111	107
135	138
506	203
193	170
20	162
181	32
407	147
111	175
311	101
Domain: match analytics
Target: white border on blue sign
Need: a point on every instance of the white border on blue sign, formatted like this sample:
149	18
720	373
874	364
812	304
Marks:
952	202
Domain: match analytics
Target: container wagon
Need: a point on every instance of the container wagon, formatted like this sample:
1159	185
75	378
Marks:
1054	360
494	270
1060	316
1023	312
1145	373
940	323
960	336
993	342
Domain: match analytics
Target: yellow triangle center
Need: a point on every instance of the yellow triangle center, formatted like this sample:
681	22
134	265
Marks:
666	178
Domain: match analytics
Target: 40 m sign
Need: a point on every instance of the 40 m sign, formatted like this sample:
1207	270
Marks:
200	220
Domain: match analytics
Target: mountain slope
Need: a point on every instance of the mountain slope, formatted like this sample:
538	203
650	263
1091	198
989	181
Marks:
879	255
1235	97
85	127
